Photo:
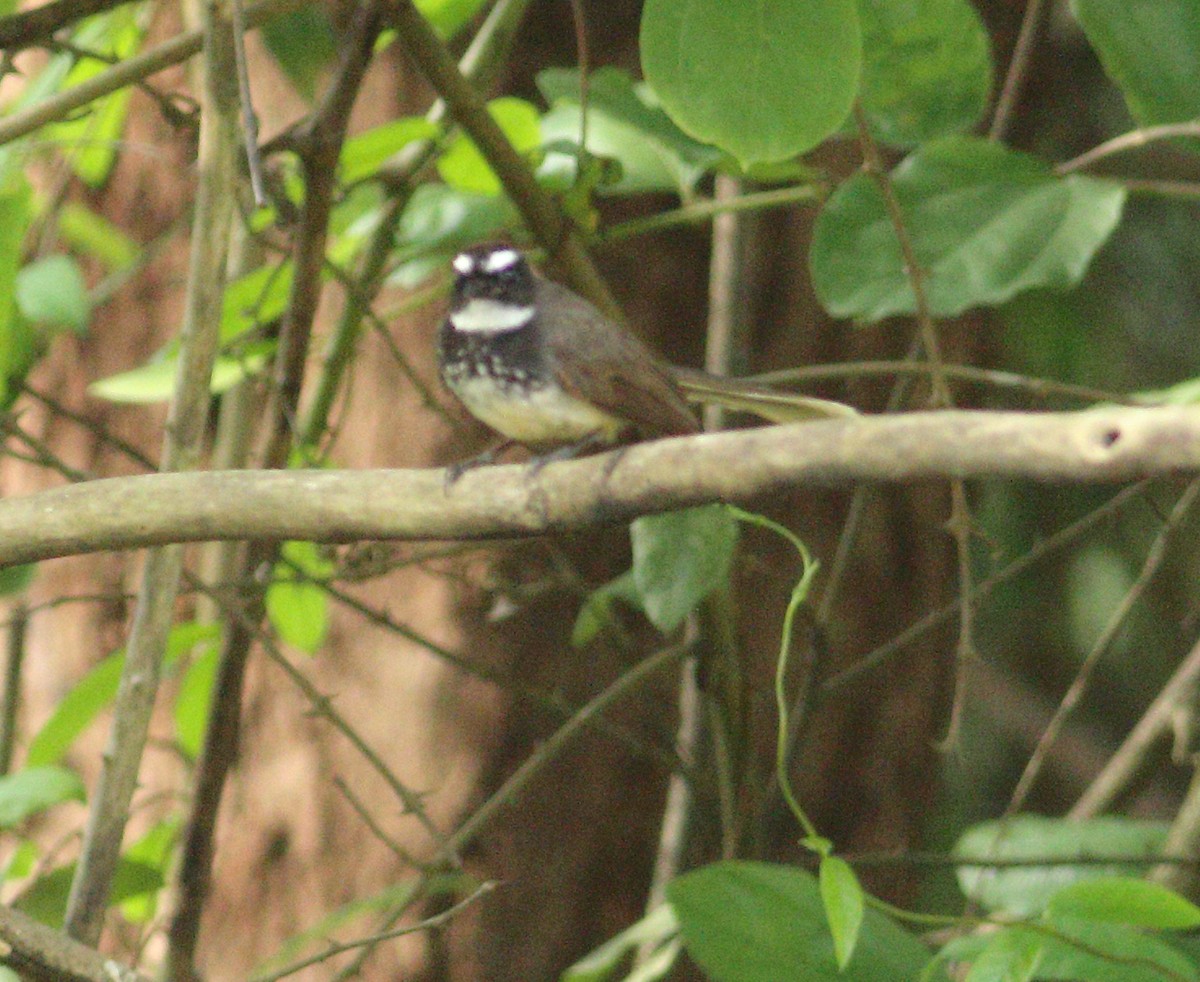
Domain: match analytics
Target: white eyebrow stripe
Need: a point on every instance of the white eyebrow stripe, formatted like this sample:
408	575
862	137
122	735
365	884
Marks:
501	260
464	264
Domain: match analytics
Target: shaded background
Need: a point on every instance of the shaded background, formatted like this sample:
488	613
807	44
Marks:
573	854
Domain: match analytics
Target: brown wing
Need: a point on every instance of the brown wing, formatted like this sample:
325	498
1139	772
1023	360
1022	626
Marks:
600	362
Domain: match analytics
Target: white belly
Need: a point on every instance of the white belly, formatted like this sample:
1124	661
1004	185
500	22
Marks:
538	417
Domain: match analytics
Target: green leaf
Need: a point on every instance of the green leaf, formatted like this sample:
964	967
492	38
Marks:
624	123
761	79
448	17
18	343
596	612
303	44
1126	900
756	922
75	711
679	559
362	155
985	224
1011	955
1151	49
52	292
438	221
90	140
194	701
254	299
153	850
34	789
1025	890
462	165
46	900
656	930
927	68
16	579
297	603
844	903
92	234
1109	953
155	381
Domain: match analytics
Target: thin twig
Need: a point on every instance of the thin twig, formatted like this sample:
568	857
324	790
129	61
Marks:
10	701
1154	559
1129	141
1018	66
249	117
338	947
129	72
1177	698
188	413
1064	537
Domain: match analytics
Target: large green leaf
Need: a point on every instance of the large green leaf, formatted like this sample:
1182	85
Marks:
679	559
75	711
1151	49
46	900
985	223
1025	890
756	922
363	154
927	68
448	17
761	79
625	124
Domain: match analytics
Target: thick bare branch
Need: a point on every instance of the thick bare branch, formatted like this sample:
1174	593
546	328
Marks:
339	506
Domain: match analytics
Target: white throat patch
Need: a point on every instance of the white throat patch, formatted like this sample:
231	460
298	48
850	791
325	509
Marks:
490	316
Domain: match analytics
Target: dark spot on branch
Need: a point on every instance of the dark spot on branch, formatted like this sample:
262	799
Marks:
1110	436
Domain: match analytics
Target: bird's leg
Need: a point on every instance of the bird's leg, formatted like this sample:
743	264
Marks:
457	470
593	441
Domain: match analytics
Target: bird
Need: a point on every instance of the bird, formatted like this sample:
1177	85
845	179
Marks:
546	369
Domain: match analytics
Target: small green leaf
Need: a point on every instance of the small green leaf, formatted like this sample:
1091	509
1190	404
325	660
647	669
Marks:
362	155
985	223
194	700
757	922
596	612
844	903
1025	890
462	165
761	79
91	234
679	559
297	604
154	850
34	789
90	140
16	579
52	292
18	344
1151	49
75	711
927	68
303	44
1126	900
448	17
